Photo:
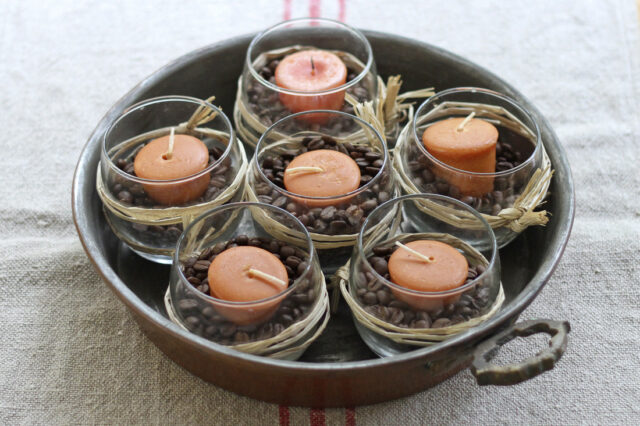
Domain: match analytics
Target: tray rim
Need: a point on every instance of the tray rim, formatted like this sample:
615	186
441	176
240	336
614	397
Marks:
133	302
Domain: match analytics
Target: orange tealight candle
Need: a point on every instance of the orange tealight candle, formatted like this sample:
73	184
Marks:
467	144
427	266
311	71
322	173
247	274
173	157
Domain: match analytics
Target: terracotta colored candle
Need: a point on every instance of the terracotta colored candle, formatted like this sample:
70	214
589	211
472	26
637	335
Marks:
466	144
311	71
322	173
162	159
440	268
245	274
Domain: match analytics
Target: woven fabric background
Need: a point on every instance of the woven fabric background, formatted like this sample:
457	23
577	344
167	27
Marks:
70	351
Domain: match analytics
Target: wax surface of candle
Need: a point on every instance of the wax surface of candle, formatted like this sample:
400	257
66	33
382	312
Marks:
189	156
448	270
340	175
229	277
472	149
311	71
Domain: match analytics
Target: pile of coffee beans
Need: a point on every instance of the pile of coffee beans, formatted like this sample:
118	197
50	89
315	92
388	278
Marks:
506	188
133	193
206	322
379	301
346	218
265	103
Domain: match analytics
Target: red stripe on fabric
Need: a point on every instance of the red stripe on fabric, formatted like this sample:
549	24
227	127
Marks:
283	411
350	416
316	417
342	14
287	10
314	8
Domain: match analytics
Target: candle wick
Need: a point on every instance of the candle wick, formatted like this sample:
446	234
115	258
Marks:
304	169
428	259
263	275
466	121
313	65
167	155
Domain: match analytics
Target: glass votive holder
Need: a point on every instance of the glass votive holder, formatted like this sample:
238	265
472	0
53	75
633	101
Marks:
301	65
218	288
439	155
421	280
164	161
351	165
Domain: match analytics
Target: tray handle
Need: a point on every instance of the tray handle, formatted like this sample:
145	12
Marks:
488	374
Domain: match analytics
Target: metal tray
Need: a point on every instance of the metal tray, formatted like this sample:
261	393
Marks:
338	369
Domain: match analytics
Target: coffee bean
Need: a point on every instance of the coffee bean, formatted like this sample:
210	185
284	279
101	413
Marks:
280	201
302	267
187	305
193	280
228	330
369	205
383	297
293	261
287	320
287	251
277	329
319	226
337	227
441	322
316	144
397	316
383	250
374	285
422	324
125	197
372	156
201	265
192	321
328	213
379	264
398	304
383	197
210	331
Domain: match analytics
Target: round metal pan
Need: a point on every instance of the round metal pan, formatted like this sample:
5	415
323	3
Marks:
338	369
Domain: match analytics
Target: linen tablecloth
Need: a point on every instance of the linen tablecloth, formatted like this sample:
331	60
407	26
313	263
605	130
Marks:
70	351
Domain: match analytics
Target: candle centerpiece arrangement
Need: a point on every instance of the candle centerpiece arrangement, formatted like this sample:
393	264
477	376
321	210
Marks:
420	280
309	64
237	284
321	196
329	180
164	161
482	148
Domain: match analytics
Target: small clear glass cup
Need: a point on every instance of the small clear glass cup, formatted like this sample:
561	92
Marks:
418	217
326	218
164	205
519	152
270	103
233	323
